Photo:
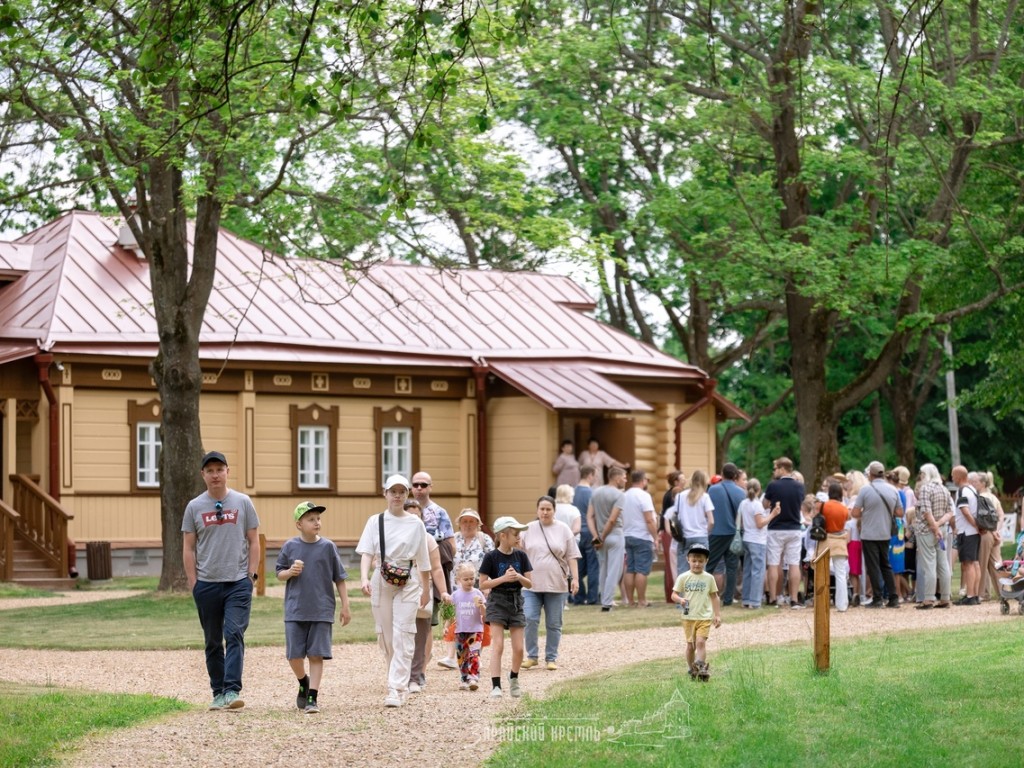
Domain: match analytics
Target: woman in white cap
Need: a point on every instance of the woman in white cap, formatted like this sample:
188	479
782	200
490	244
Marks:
400	583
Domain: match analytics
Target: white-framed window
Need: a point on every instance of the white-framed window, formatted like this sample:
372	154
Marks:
396	452
314	457
147	451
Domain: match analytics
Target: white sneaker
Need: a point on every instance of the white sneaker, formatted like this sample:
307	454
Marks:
448	664
513	688
392	699
415	687
464	685
495	692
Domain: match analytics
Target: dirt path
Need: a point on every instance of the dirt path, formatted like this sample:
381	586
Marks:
353	728
67	598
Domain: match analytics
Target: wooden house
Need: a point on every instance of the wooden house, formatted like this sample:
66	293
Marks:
317	383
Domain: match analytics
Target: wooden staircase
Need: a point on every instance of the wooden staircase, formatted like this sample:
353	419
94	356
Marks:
34	537
32	570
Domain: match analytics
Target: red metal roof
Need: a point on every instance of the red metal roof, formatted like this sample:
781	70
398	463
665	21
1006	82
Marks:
86	294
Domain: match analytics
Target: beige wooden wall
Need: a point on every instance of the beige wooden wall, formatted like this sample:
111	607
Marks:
523	444
99	492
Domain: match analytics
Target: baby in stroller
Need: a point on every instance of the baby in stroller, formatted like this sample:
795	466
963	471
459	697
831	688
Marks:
1011	587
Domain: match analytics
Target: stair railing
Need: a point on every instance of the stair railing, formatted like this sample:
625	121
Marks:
42	522
8	523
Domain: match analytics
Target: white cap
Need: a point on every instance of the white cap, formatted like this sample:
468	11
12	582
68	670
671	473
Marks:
394	480
502	523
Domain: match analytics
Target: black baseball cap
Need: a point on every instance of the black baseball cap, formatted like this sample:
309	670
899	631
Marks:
699	549
213	456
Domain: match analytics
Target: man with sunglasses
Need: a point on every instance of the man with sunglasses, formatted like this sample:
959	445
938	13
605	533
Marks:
221	554
439	527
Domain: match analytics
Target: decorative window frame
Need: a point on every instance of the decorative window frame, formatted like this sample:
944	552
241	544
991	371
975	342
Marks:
315	416
141	413
401	418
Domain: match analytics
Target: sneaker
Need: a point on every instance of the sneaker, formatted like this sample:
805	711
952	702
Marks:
217	703
415	687
529	664
464	685
893	603
495	692
796	607
233	701
301	697
552	666
605	608
972	600
311	707
874	604
392	699
473	684
448	664
513	688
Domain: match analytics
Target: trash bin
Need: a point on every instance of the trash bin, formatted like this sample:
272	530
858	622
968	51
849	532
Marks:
97	557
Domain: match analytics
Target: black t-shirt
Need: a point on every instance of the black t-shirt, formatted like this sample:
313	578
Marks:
496	562
790	494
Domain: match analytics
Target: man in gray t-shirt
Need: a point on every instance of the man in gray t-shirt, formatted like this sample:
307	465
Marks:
221	555
604	518
875	506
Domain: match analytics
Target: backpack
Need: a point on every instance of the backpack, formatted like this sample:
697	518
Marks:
818	528
986	517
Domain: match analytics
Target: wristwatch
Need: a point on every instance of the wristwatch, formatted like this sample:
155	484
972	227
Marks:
255	576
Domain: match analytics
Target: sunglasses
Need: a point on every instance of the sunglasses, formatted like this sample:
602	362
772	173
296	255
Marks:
421	485
219	507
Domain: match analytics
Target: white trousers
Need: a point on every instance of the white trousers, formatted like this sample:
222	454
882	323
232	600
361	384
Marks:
394	617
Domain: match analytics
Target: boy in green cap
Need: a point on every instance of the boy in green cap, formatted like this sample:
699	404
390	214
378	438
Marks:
311	568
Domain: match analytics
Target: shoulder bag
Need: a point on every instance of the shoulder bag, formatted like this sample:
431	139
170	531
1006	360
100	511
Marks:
567	573
393	574
736	545
894	528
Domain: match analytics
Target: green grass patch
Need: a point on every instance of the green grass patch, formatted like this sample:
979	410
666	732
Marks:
168	621
8	589
886	701
152	621
39	724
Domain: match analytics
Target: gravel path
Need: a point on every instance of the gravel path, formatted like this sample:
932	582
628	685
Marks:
67	598
353	727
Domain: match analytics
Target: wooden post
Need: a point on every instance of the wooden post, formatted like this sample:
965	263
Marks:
821	610
261	582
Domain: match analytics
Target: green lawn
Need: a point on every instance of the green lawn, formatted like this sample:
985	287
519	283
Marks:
40	723
888	701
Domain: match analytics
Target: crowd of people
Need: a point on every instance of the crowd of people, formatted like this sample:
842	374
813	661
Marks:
723	538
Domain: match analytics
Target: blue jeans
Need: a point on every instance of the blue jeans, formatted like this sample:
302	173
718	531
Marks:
719	546
682	566
590	572
224	609
553	603
753	573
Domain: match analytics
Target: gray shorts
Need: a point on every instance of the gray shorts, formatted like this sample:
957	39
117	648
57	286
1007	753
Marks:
303	639
506	608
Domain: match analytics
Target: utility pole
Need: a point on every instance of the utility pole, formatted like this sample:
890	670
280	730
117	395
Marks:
954	425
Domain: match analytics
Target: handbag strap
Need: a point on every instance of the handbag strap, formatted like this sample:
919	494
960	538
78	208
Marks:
884	502
732	504
567	572
380	523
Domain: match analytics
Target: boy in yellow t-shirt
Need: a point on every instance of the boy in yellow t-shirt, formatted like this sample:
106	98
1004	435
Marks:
696	591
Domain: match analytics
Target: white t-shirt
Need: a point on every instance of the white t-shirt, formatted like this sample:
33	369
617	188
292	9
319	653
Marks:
966	496
695	521
749	512
635	502
406	540
568	514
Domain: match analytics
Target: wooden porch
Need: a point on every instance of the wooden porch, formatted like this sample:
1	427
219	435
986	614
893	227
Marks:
33	538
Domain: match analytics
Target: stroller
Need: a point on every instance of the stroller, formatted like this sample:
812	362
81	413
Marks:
1012	587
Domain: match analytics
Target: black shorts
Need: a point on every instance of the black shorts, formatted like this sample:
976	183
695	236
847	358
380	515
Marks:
968	547
506	608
